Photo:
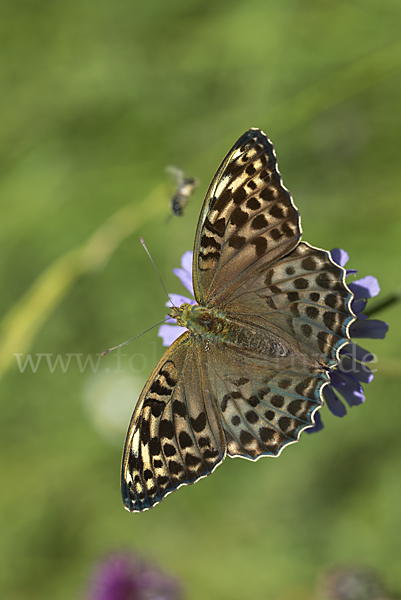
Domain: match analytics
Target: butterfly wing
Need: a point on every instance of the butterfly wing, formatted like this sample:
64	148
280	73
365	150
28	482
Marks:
264	406
302	298
248	220
266	401
175	435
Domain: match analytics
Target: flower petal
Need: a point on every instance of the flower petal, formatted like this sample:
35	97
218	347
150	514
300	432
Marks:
333	401
122	576
186	261
318	424
367	287
359	370
349	388
357	352
178	299
371	328
357	306
185	274
169	333
339	256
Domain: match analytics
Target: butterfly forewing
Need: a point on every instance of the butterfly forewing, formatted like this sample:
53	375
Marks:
248	220
175	436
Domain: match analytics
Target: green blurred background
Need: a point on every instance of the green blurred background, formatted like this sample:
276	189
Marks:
97	98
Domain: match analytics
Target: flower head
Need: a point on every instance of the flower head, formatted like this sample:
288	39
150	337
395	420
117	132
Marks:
123	577
347	377
351	583
169	333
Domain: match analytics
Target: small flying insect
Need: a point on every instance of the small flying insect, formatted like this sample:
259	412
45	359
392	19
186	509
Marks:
184	189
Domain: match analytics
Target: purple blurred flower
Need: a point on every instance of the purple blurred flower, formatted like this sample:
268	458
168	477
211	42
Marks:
351	583
352	370
123	577
346	378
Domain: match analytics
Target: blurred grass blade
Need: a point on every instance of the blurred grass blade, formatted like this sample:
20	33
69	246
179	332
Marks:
20	325
353	79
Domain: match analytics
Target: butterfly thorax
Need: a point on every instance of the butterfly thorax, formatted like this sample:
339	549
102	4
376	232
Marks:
214	325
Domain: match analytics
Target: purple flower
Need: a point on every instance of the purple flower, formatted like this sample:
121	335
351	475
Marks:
351	583
346	378
169	333
123	577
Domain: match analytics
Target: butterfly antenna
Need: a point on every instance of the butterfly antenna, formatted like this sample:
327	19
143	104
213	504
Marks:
155	268
134	338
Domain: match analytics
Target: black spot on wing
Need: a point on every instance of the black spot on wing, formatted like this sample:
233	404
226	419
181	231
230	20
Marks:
217	227
171	381
155	446
158	388
179	408
259	222
238	217
185	440
239	195
166	429
260	245
209	242
169	450
237	241
199	423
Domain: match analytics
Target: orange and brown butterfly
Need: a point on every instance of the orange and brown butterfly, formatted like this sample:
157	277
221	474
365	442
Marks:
185	187
272	313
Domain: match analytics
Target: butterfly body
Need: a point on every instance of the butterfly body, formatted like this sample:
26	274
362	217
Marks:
210	324
272	314
215	326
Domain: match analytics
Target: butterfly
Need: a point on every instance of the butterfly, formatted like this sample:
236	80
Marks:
184	189
272	313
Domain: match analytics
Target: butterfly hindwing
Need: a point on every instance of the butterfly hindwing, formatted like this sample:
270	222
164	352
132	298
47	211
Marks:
302	297
248	219
264	407
175	436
